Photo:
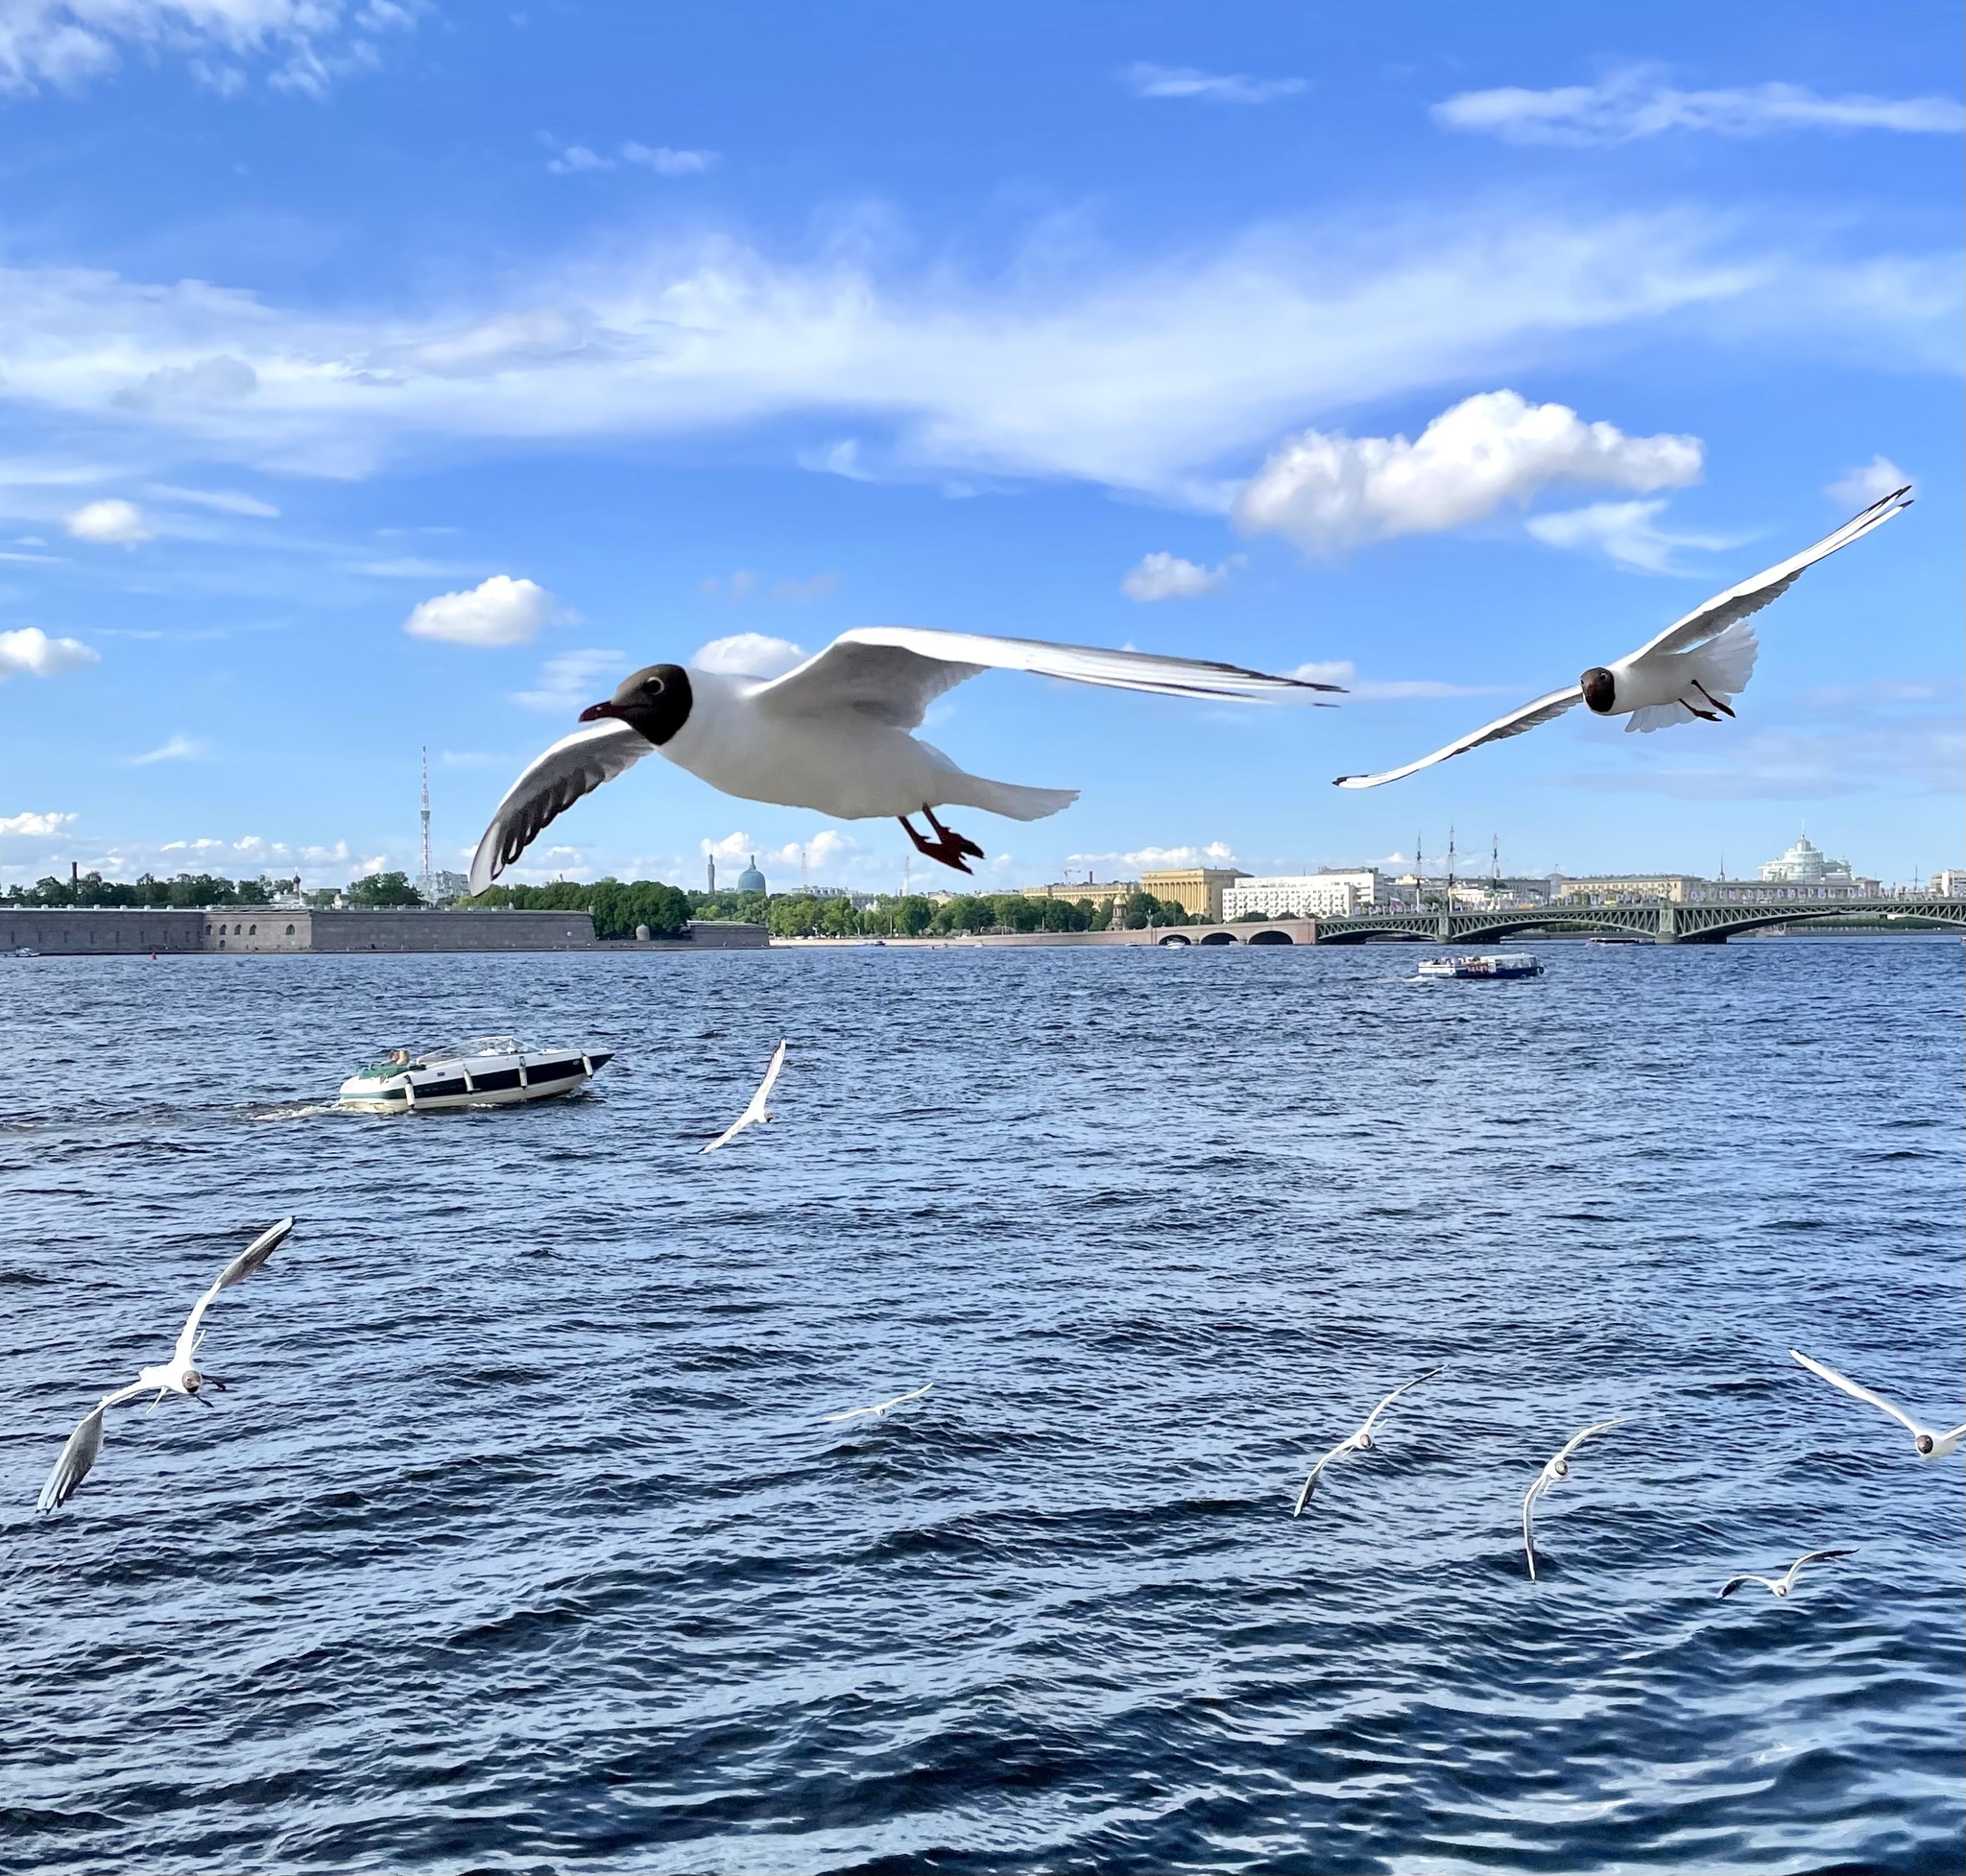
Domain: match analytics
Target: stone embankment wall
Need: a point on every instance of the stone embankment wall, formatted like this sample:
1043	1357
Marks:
111	931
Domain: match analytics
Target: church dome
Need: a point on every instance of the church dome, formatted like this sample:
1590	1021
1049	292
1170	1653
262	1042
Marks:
750	879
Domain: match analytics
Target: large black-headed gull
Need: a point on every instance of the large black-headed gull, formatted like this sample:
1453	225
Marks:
1783	1584
1359	1442
1930	1443
1691	670
176	1375
832	733
1557	1468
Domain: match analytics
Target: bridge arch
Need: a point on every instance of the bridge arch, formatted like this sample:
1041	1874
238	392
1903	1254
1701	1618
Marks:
1220	938
1268	935
1177	940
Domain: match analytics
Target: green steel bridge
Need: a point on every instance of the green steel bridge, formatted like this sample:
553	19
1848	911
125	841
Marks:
1662	922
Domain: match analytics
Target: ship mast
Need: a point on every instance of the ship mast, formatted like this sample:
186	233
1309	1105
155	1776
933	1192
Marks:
426	883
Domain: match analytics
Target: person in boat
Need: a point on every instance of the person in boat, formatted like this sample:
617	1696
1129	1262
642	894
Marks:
397	1058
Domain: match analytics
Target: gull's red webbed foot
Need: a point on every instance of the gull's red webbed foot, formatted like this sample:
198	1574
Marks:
948	847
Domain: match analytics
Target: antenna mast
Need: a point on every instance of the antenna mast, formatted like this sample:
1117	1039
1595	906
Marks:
427	882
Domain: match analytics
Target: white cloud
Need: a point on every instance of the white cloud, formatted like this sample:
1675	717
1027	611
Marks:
574	680
177	749
1328	490
36	826
1625	532
1157	859
1146	81
1860	487
1143	377
749	655
67	44
1637	103
30	652
110	523
500	611
1167	576
579	159
225	501
1386	690
668	162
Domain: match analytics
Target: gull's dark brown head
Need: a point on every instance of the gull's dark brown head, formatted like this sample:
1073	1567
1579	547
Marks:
654	701
1600	688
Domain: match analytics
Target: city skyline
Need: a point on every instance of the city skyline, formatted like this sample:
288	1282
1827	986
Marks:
356	406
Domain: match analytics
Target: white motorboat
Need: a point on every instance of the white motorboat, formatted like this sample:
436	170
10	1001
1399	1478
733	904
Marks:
485	1071
1495	967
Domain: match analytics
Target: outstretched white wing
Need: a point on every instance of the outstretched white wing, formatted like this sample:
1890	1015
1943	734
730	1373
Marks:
237	1271
1710	620
1588	1433
576	765
1849	1387
83	1447
890	674
1371	1418
754	1114
1542	711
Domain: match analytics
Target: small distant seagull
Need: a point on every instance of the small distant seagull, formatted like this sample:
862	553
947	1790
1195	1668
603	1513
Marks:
1690	671
1558	1468
754	1114
855	1413
1930	1444
1782	1585
1359	1442
176	1375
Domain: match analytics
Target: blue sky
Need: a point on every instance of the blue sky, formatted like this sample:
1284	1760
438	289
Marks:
385	375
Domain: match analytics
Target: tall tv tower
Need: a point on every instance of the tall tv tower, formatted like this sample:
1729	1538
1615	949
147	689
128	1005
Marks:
426	881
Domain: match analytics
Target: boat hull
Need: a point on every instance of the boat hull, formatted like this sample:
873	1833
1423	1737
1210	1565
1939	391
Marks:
475	1081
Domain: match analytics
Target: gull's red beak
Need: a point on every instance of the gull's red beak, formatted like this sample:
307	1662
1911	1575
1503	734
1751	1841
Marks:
594	712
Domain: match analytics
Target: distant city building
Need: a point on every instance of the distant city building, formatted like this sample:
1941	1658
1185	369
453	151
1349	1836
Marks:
1196	889
1806	864
1677	888
750	879
1098	891
1950	884
445	887
1326	895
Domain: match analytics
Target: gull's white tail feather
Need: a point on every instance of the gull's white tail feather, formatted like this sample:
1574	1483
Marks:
956	788
1720	668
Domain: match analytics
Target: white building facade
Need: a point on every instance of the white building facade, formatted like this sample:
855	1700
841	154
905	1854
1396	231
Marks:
1806	864
1330	894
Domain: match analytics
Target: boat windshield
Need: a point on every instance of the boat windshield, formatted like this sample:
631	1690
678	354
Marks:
476	1045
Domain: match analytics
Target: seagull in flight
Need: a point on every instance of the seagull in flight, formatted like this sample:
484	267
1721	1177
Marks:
1557	1468
1359	1442
754	1114
855	1413
1693	669
176	1375
1930	1444
832	734
1782	1585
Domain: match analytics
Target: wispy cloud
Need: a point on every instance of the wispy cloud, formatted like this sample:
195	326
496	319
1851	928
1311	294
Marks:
223	501
1627	533
1388	691
1146	81
581	159
1217	853
573	679
1142	377
34	827
302	45
802	593
1637	102
178	749
1328	490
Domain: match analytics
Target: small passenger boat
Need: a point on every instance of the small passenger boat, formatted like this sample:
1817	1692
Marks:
1495	967
485	1071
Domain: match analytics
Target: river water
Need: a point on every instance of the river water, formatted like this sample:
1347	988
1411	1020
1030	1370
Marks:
521	1541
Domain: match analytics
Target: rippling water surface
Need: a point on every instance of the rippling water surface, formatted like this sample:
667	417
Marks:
521	1542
